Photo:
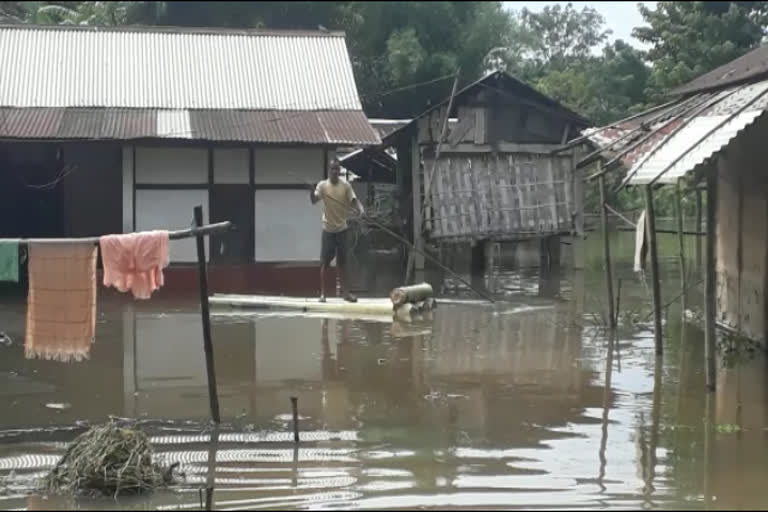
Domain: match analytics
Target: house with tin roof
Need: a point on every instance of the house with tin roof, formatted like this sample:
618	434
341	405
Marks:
711	137
110	130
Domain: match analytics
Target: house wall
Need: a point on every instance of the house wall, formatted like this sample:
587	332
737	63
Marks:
742	233
495	178
262	190
287	225
60	189
170	182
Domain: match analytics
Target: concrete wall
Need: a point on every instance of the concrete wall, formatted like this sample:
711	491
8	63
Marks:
288	227
171	179
742	232
164	208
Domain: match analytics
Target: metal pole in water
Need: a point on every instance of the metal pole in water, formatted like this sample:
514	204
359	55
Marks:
295	406
206	315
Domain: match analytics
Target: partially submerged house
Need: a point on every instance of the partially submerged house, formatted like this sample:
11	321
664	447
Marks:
110	130
495	178
715	129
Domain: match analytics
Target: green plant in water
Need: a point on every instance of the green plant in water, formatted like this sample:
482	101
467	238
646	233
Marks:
728	428
735	349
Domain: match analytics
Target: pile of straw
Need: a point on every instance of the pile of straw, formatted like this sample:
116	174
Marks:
108	460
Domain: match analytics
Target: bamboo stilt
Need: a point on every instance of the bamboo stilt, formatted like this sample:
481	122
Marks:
681	244
653	251
607	253
710	280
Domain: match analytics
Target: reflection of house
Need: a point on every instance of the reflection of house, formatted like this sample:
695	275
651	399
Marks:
495	178
716	127
136	126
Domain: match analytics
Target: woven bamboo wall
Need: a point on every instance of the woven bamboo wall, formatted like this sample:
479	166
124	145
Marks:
500	196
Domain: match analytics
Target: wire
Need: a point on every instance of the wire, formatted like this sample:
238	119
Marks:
63	173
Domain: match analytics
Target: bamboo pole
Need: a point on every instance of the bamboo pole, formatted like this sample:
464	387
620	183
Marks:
582	138
653	250
206	316
172	235
607	253
710	303
681	243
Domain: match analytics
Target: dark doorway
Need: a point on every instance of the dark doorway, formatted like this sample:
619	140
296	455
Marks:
30	195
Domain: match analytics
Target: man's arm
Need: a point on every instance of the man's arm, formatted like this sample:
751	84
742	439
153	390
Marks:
314	193
356	204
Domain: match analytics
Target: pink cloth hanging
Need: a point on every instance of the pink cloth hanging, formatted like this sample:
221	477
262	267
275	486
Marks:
135	261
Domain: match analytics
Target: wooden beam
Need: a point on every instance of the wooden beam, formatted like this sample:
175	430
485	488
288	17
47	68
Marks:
653	250
666	231
503	147
710	280
607	254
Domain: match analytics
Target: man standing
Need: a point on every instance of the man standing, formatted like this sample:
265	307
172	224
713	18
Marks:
338	200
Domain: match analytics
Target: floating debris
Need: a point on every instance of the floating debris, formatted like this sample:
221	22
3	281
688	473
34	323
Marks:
108	460
58	406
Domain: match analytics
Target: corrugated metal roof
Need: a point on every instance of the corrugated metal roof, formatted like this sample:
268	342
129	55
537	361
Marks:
501	82
331	128
682	142
753	65
175	69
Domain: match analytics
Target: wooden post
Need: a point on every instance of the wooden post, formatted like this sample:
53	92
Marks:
606	251
206	315
698	228
681	243
211	476
710	280
653	251
416	259
295	407
478	259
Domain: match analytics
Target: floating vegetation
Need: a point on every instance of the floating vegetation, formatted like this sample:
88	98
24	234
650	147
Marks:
108	460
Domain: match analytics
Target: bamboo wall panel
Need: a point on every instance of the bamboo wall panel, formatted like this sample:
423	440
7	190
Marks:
500	196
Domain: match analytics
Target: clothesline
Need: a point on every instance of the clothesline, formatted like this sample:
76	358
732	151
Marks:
173	235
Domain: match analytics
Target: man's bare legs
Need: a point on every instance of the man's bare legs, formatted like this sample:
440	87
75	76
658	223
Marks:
340	270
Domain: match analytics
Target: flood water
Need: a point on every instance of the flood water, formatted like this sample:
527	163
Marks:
526	404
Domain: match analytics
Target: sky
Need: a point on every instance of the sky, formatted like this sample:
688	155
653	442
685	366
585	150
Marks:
621	17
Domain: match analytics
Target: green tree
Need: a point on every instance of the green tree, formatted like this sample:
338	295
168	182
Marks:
84	13
11	12
688	39
563	35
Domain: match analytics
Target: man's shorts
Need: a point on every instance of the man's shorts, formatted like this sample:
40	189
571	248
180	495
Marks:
334	245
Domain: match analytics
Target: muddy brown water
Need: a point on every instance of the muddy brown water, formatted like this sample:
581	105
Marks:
528	404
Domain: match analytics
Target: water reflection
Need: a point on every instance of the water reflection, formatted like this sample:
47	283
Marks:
523	405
